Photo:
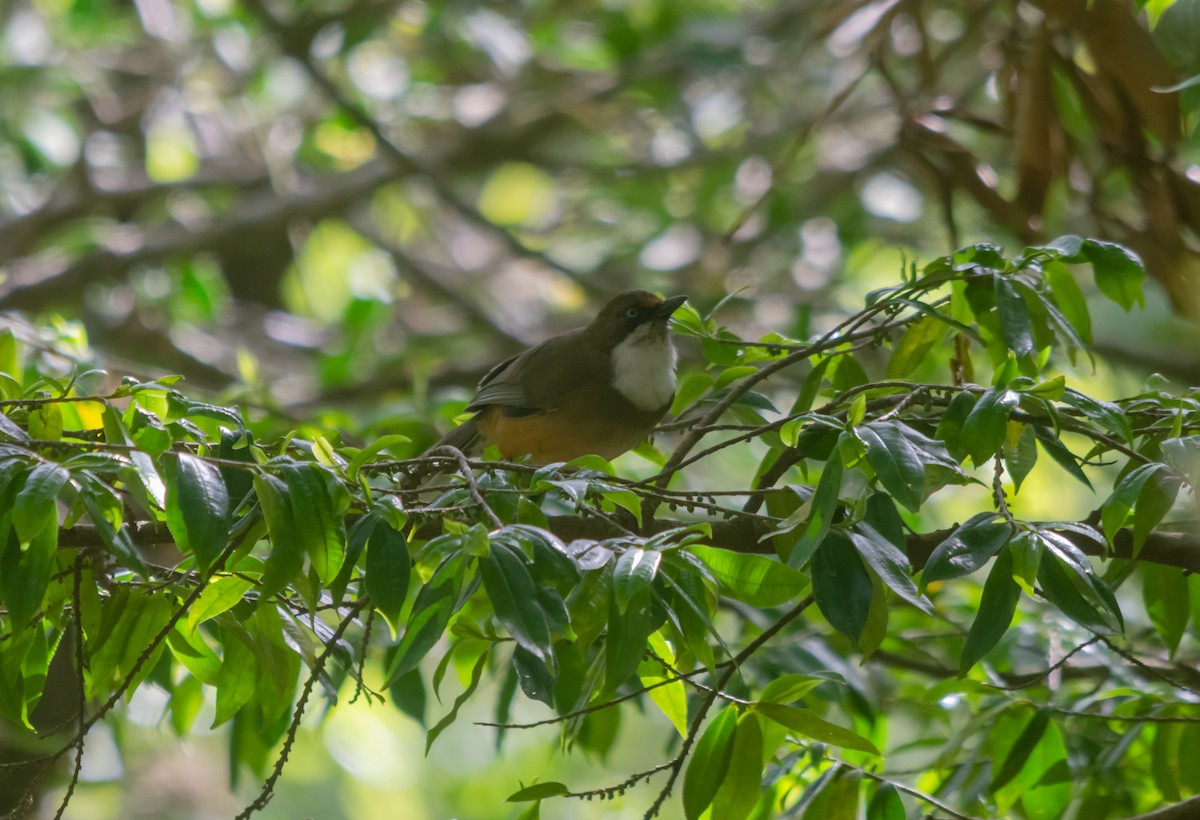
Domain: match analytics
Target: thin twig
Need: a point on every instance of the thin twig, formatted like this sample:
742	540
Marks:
268	789
676	763
468	475
920	795
80	693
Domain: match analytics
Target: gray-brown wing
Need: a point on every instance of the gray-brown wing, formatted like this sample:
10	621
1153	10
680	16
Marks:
504	385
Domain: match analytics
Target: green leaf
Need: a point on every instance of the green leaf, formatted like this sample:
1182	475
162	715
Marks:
318	509
875	628
1074	559
950	428
896	462
1069	298
1016	758
812	725
1061	455
1020	457
193	651
841	585
1166	595
626	641
408	694
914	346
464	696
1114	512
431	612
1016	328
105	510
886	804
514	597
388	569
1108	415
219	595
34	509
538	791
1060	591
690	388
669	697
286	559
10	430
25	573
236	680
789	688
741	787
754	579
986	426
198	509
967	549
709	764
1153	503
46	423
1000	596
821	512
1119	272
634	571
371	450
889	563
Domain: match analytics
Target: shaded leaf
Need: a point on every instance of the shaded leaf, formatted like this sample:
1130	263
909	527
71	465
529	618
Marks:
538	791
889	563
1021	456
1015	325
841	585
709	763
286	559
198	511
996	608
821	512
388	569
464	696
34	508
986	426
1060	591
1119	271
967	549
431	611
1166	596
896	463
886	804
514	597
317	504
1017	756
632	575
739	792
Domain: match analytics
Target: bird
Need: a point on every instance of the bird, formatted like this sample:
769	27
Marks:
599	389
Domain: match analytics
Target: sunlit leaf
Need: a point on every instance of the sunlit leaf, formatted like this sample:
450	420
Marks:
811	725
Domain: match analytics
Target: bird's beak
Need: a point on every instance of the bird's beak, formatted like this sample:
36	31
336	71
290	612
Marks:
668	306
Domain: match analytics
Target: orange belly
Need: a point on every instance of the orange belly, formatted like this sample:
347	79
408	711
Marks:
560	436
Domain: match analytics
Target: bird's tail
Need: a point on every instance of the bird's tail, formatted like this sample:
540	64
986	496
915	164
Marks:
465	438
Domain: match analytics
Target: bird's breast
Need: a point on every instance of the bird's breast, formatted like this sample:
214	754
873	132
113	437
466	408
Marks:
643	367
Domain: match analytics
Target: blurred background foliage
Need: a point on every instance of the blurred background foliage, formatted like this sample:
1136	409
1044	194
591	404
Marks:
343	212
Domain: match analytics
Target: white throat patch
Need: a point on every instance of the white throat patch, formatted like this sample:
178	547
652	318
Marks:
644	367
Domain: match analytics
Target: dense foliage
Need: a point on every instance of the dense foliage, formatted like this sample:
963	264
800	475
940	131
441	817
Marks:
1065	681
930	545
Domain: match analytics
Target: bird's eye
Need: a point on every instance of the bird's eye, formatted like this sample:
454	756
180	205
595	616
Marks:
632	313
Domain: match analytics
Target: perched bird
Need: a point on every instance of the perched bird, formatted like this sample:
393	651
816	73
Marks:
600	389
